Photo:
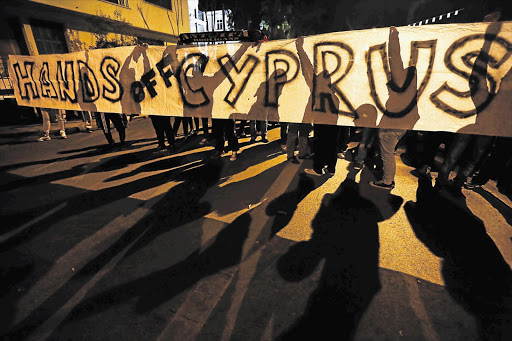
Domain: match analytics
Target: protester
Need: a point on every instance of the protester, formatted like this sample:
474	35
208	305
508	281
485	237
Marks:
224	129
61	119
163	128
262	127
103	120
300	132
324	150
388	139
87	119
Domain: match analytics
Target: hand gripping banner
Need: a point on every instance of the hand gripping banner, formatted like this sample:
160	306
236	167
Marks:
453	77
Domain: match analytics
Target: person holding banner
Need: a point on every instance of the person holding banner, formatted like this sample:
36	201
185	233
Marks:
61	119
103	120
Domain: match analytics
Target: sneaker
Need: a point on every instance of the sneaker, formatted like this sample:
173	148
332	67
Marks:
293	159
342	154
311	171
44	138
203	142
63	134
233	157
88	130
380	184
264	140
253	139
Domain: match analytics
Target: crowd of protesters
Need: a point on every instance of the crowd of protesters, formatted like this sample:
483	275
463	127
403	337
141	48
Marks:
460	160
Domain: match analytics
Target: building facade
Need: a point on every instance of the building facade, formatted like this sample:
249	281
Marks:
34	27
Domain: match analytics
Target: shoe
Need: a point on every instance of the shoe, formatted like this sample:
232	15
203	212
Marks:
63	134
233	157
305	156
44	138
203	142
88	130
253	139
311	171
380	184
358	165
293	159
342	154
331	170
264	140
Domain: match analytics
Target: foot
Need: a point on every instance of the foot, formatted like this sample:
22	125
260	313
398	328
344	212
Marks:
342	154
203	142
311	171
63	134
234	156
44	138
88	130
293	159
253	139
383	185
264	140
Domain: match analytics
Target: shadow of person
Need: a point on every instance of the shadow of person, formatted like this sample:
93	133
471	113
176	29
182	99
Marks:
320	84
261	110
491	105
160	286
283	207
475	273
345	234
401	107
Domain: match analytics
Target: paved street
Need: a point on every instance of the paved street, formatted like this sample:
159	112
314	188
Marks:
109	243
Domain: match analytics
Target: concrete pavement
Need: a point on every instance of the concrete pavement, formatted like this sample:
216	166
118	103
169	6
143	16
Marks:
107	244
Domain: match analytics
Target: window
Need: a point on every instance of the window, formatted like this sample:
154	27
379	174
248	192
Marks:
119	2
219	25
49	37
162	3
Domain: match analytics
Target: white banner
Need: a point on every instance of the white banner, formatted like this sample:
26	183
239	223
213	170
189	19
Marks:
452	77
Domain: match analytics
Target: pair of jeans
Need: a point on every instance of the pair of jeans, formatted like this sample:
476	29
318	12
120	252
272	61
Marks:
298	131
388	139
60	114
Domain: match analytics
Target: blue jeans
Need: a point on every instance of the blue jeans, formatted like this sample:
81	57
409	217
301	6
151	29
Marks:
388	140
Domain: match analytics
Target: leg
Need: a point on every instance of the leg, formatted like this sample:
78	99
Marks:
293	130
157	125
456	149
218	131
45	113
104	124
263	129
304	130
229	133
118	123
252	127
388	140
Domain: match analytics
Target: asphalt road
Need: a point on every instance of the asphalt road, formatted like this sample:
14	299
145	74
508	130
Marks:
100	243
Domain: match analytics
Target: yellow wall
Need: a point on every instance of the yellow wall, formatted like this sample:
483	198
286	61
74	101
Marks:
140	13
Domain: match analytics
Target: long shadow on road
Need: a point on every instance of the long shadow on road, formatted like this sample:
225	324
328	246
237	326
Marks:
475	273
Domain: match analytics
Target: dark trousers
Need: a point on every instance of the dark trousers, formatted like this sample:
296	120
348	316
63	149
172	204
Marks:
455	152
224	130
187	122
103	120
163	128
325	147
